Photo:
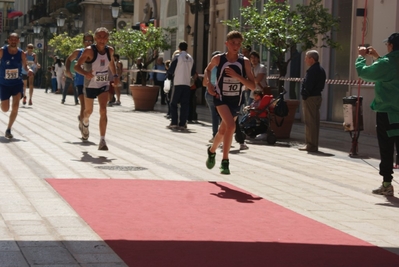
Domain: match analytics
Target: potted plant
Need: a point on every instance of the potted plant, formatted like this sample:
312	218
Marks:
282	29
146	43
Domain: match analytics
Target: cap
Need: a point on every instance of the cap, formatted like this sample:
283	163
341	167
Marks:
393	39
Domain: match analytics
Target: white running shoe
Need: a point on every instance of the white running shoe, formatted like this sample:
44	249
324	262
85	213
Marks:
85	132
102	145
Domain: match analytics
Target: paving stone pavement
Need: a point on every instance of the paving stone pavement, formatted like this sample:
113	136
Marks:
38	228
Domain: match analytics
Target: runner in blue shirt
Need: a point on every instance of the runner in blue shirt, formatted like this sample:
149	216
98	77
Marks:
12	60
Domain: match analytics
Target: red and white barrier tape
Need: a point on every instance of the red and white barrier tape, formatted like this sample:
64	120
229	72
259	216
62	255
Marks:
328	81
276	77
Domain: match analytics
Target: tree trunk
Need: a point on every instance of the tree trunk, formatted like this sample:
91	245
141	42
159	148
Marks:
143	77
282	66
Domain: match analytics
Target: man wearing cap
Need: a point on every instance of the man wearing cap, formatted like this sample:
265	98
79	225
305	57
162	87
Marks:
384	72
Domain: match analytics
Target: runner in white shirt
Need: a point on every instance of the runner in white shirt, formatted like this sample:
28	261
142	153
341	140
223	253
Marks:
95	60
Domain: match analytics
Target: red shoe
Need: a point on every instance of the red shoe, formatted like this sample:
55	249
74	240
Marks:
396	166
24	100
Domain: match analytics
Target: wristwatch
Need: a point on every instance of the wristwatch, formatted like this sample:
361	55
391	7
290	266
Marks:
116	76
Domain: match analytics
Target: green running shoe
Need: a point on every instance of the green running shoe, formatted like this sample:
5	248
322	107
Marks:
210	162
224	167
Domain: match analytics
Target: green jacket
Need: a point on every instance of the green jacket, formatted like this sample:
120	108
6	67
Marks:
384	72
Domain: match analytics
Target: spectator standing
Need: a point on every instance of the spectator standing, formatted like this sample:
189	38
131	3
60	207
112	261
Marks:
115	90
384	72
96	59
48	79
158	78
233	71
192	110
181	70
38	76
312	86
168	94
12	60
260	72
53	80
59	69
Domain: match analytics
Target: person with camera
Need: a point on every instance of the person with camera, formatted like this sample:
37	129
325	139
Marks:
384	72
312	86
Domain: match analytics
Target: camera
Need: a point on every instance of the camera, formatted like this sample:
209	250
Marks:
368	48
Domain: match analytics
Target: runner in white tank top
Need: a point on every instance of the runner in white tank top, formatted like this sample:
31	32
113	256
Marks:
96	59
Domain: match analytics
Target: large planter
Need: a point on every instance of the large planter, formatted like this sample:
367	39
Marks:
144	97
284	131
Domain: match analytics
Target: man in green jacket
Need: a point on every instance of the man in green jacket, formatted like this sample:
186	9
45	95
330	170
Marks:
384	71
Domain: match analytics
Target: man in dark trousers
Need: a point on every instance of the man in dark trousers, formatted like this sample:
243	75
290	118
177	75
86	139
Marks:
384	72
311	89
181	70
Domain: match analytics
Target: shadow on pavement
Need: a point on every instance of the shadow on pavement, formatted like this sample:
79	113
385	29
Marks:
391	202
4	140
237	254
89	158
229	193
193	253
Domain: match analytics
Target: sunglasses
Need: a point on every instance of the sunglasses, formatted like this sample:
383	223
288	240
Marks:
30	47
88	41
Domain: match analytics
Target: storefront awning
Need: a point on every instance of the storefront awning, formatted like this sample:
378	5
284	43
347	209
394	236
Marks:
14	14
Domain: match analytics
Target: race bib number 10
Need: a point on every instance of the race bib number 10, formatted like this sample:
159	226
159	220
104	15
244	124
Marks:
231	87
11	74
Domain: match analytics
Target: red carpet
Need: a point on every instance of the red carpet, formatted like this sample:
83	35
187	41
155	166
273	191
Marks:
171	223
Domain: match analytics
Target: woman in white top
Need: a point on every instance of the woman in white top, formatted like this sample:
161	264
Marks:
59	68
260	73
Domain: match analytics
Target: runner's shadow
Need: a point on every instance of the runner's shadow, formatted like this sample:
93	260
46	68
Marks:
83	143
89	158
392	202
229	193
320	154
4	140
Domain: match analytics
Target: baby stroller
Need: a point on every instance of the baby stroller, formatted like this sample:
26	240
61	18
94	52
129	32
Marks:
257	121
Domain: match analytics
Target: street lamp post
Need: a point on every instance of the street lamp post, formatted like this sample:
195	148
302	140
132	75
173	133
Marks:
37	28
195	7
53	28
61	20
22	38
78	22
115	6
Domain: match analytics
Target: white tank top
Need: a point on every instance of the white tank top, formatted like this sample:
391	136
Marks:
99	68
